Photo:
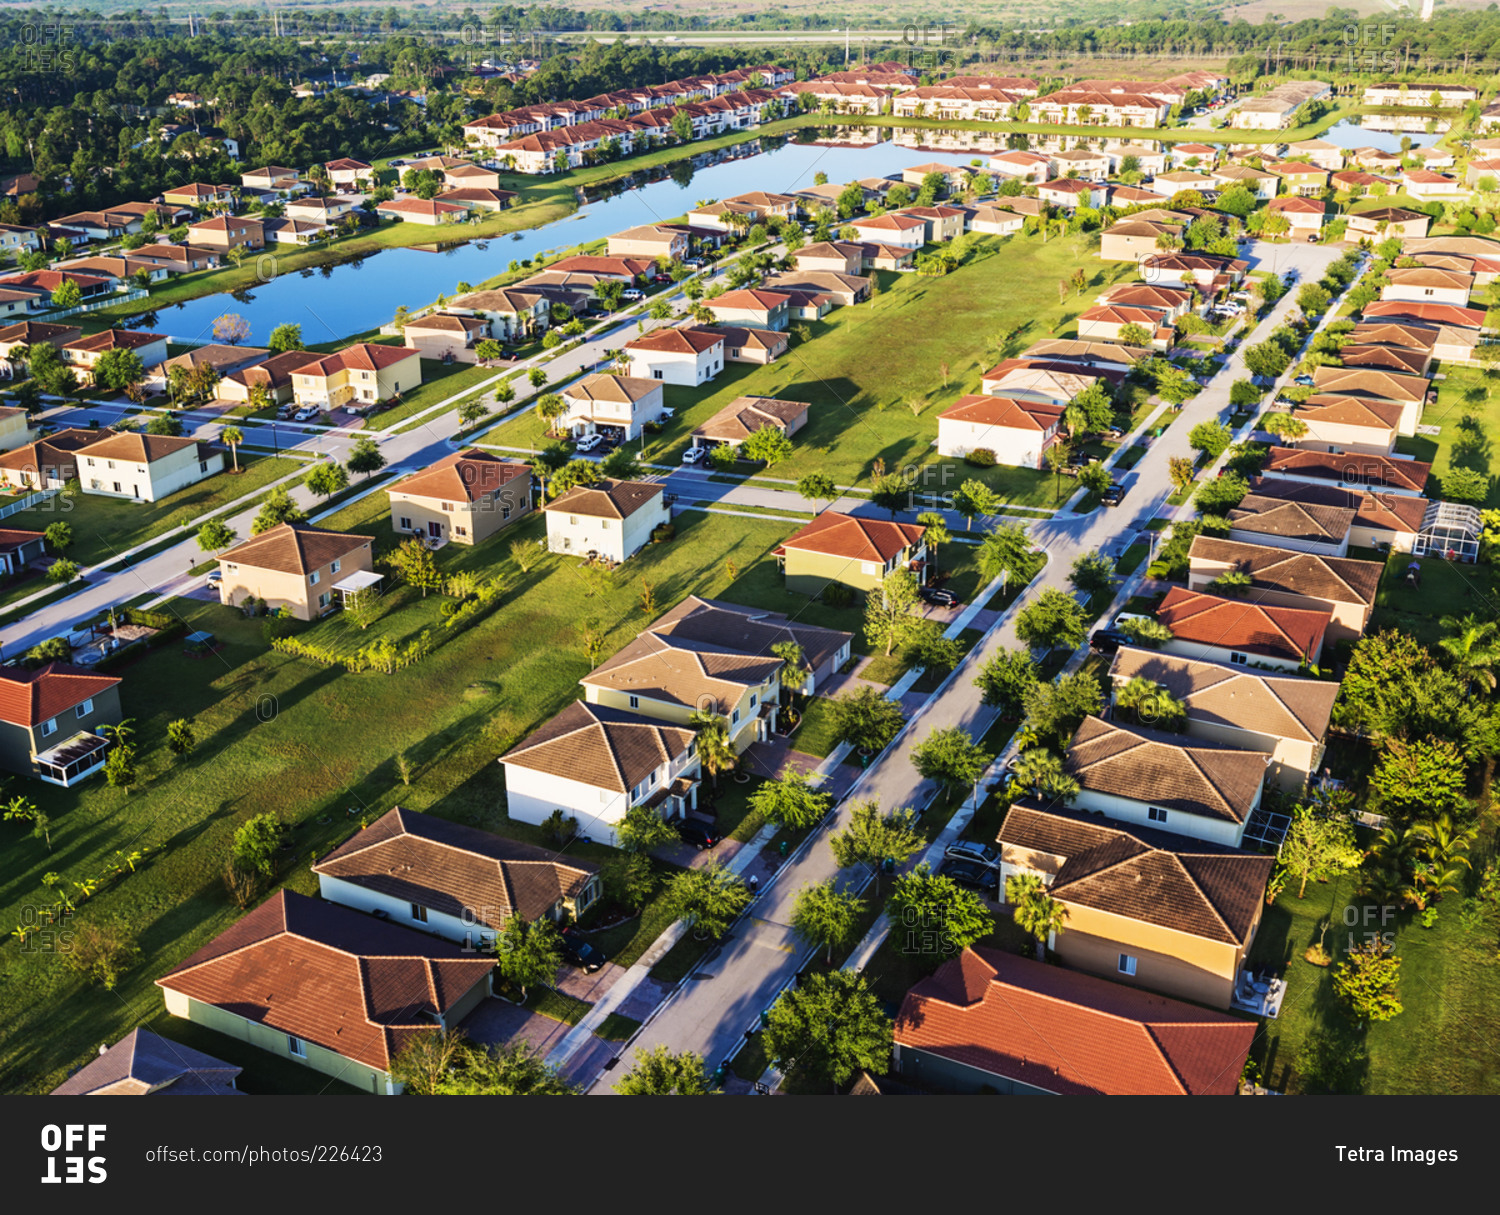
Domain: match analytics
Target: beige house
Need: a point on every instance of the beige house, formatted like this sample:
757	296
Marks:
15	428
1381	520
840	256
225	232
1299	526
326	987
33	333
357	377
1173	302
274	375
293	565
466	498
1145	908
348	173
846	289
1132	239
49	721
751	307
1256	710
943	223
1105	323
1407	390
852	550
1344	423
146	468
445	335
1380	222
614	519
655	241
606	401
1342	586
1304	216
743	416
514	313
993	220
275	178
82	353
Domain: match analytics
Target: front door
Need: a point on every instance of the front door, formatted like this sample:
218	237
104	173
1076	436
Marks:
435	529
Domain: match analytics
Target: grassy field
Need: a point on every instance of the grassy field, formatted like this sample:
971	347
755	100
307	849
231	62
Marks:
105	527
1448	588
1468	411
310	744
866	365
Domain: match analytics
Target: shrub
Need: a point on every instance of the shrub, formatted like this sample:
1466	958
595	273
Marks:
980	457
837	595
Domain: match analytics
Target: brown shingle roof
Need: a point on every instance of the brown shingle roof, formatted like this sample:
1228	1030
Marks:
334	977
1291	520
1257	702
605	386
1340	410
743	416
294	548
141	1064
1144	875
601	746
58	450
725	626
114	339
459	871
1294	634
607	499
1167	770
29	697
682	673
1005	412
854	537
1065	1032
142	448
465	476
1336	579
1387	512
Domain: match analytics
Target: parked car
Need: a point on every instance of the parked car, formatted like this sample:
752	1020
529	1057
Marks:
974	852
1113	495
588	958
1305	380
1107	641
1125	618
215	577
306	413
938	597
698	834
589	442
661	278
286	411
975	877
693	454
632	293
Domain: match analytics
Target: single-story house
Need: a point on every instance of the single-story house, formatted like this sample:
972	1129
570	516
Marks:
1299	526
1378	223
1381	520
853	550
1339	424
1242	632
429	211
1407	390
142	1064
743	416
1361	470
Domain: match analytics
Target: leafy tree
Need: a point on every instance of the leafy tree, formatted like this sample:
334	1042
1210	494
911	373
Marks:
119	766
327	479
1313	299
866	720
1092	573
974	498
1419	778
1091	411
952	758
62	570
528	953
413	560
423	1066
1007	549
938	913
817	487
1055	710
1219	495
19	809
231	328
1052	620
1465	485
791	801
1267	360
830	1026
1211	437
1035	911
102	952
59	536
1005	679
278	508
1181	469
824	915
660	1073
891	610
215	535
1134	335
67	294
256	841
708	899
1095	478
872	839
165	424
285	338
180	738
1232	584
118	369
1148	633
1244	395
45	363
513	1070
1368	981
365	457
1317	846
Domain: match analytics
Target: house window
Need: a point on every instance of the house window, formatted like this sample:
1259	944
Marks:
296	1047
505	512
460	531
1156	814
85	708
752	700
49	728
1127	964
635	702
572	520
314	576
869	569
1239	659
447	508
656	375
419	913
604	524
405	523
734	719
324	599
203	466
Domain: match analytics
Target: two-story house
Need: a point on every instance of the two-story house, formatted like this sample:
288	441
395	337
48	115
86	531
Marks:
687	356
612	518
82	353
1018	431
617	404
146	468
466	498
357	377
49	721
225	232
750	306
293	565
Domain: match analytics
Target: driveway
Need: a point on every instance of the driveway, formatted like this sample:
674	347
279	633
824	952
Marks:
499	1023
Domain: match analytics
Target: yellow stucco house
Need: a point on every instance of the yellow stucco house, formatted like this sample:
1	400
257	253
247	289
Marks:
851	550
357	377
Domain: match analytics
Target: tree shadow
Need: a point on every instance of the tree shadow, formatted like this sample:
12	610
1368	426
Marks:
1472	448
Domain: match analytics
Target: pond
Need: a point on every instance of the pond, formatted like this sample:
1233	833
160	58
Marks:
1383	131
334	301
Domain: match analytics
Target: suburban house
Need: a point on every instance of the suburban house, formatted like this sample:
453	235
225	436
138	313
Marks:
743	416
654	241
1132	238
1105	322
989	1021
627	270
943	223
1030	167
50	462
1338	424
840	256
607	402
1068	193
323	211
1150	779
348	173
1304	216
845	289
1428	186
1174	302
82	353
357	377
1304	180
34	333
1299	526
198	195
1363	470
514	314
142	1064
1380	222
1183	179
19	547
742	345
894	228
1381	519
1082	162
1209	273
1342	586
687	356
477	198
1146	908
729	626
750	306
1240	707
855	551
429	211
293	565
1242	632
445	335
1320	152
50	718
1056	380
452	881
993	220
273	179
178	257
612	518
1427	284
225	232
1410	391
597	761
338	991
1275	109
145	467
466	498
1261	184
1407	360
221	357
274	375
1017	431
15	428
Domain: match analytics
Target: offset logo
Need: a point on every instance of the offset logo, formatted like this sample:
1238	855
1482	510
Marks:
66	1163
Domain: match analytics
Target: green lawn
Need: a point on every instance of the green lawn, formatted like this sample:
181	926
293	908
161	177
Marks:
1449	588
439	382
816	735
864	365
310	743
105	527
1468	410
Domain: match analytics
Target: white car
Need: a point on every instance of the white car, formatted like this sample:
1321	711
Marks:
1127	617
589	442
307	413
693	454
632	293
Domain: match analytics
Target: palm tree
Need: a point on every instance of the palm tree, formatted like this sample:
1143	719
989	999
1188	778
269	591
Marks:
716	753
1046	774
936	534
1034	911
1473	649
233	436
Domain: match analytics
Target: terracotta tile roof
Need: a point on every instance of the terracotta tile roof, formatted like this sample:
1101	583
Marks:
682	671
1258	702
607	499
1395	333
274	372
1291	520
1474	246
854	537
1004	412
1372	509
225	223
1152	877
1335	579
1065	1032
459	871
141	1064
346	163
294	548
364	356
750	299
1447	314
633	266
447	322
743	416
14	537
429	207
1168	770
671	340
465	476
1148	295
141	448
1300	206
334	977
601	746
114	339
1372	382
1122	314
30	697
1294	634
1354	468
890	223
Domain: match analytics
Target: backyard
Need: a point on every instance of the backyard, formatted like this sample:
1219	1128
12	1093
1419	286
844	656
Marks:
1468	412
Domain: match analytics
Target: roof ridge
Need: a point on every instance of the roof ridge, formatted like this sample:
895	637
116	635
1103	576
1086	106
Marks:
1161	1052
1176	859
1190	754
